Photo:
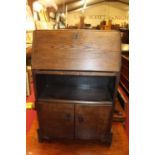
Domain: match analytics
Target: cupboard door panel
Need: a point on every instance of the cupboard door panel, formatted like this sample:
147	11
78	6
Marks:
56	120
92	121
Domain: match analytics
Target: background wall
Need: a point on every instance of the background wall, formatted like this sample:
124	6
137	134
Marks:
116	11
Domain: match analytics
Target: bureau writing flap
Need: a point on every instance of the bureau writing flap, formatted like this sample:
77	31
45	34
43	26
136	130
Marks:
86	50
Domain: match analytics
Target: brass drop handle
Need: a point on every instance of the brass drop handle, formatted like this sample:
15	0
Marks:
67	116
80	119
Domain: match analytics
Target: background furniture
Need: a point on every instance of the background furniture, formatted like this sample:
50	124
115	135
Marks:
123	89
28	69
76	74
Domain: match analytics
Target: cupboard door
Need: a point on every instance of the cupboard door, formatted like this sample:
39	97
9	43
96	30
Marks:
56	120
92	121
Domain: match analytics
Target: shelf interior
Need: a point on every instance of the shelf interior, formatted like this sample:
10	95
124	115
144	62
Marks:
71	87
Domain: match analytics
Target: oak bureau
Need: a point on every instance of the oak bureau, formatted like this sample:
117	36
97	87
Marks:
76	73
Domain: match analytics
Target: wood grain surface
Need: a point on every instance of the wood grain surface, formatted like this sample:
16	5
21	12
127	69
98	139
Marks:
119	145
96	53
76	50
93	121
56	120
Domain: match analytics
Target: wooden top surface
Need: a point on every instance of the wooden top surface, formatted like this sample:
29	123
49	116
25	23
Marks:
82	50
119	144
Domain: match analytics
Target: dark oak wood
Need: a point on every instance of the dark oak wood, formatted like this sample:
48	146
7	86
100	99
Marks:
59	101
119	146
82	88
76	74
76	50
92	121
55	120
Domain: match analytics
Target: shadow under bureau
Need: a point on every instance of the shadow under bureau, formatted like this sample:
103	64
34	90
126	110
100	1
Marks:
76	73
